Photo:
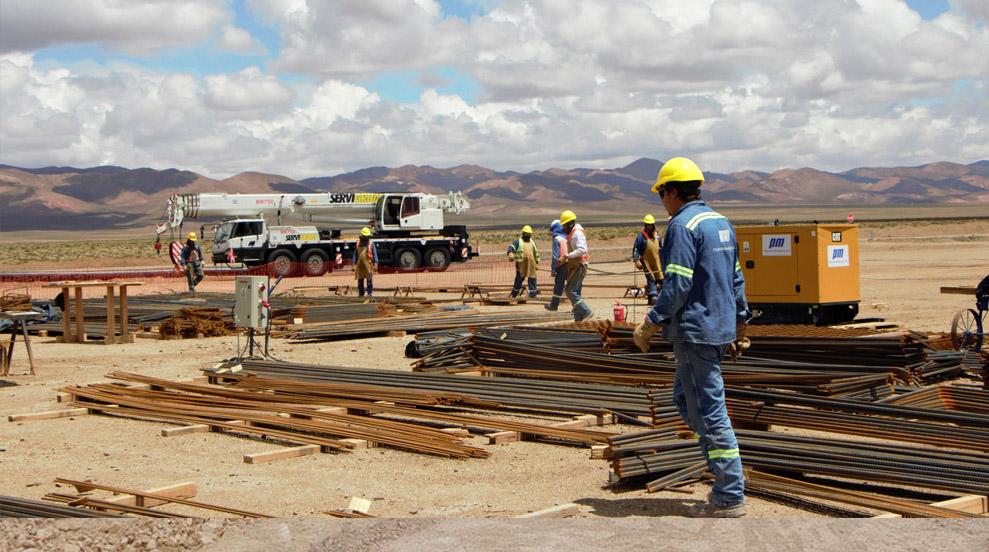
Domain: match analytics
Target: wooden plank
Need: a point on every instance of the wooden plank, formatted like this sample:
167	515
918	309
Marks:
458	431
281	454
599	452
360	443
580	422
358	504
561	511
958	290
48	415
972	504
111	328
178	490
185	430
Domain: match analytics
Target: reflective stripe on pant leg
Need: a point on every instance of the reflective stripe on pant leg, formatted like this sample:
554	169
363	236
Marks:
533	287
721	446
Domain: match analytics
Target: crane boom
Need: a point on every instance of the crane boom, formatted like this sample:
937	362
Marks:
341	208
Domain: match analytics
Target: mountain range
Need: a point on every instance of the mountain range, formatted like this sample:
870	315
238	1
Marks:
106	197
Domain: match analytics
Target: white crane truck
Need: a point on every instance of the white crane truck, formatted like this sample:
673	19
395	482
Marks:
289	231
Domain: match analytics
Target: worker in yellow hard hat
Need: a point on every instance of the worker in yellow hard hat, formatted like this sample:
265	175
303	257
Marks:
365	259
645	255
524	253
577	258
191	259
702	310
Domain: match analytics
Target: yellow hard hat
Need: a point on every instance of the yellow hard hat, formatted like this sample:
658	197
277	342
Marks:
678	169
526	229
567	216
191	236
648	219
366	232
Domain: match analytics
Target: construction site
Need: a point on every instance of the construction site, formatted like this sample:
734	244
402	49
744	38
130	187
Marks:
273	393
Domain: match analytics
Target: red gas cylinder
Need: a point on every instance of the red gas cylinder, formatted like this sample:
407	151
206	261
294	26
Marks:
620	311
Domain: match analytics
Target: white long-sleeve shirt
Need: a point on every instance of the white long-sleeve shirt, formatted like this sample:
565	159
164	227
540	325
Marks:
578	243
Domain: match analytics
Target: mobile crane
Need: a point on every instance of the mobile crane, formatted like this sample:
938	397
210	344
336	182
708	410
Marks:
285	230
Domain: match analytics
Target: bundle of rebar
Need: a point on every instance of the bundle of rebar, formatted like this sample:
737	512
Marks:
946	397
196	321
14	507
554	396
417	323
15	302
655	454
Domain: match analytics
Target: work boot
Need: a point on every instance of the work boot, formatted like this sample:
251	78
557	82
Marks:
711	510
551	308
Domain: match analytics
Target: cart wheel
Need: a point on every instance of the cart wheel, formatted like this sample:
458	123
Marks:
966	330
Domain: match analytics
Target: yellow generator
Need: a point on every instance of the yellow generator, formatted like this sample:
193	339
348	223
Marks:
801	273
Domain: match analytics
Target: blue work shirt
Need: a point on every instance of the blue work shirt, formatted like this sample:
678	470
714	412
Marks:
703	296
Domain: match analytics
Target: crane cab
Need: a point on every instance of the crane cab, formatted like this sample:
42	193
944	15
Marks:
408	212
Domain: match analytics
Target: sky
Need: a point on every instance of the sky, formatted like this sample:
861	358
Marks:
318	87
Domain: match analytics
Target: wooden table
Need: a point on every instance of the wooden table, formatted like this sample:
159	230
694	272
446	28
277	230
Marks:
110	336
20	324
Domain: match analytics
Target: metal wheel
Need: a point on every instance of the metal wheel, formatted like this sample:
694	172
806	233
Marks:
281	263
966	330
315	263
437	259
407	259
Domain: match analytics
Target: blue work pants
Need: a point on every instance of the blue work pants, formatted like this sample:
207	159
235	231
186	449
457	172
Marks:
517	286
360	287
699	395
575	284
559	282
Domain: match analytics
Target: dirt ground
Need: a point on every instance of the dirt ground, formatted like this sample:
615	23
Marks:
901	275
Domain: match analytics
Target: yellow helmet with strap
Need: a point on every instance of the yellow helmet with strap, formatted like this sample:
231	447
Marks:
678	169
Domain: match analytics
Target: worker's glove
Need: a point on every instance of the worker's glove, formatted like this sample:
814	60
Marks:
741	343
643	335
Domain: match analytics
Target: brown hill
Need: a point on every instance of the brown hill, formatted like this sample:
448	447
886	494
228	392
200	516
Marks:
104	197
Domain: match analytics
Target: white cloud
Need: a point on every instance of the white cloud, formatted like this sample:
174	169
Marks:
735	83
134	27
238	40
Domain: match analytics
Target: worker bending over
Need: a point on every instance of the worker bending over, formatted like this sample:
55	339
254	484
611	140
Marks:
702	310
558	270
524	254
645	255
191	260
365	259
576	259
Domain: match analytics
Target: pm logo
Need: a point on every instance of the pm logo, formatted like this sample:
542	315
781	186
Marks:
838	256
776	245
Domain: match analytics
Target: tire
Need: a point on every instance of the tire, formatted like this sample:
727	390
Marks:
966	330
407	259
436	259
315	262
281	263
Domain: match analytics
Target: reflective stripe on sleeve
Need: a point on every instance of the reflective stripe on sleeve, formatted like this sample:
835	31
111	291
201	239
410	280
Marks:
681	270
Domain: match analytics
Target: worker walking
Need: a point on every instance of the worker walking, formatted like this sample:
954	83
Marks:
365	260
645	255
557	269
703	311
576	259
191	259
525	255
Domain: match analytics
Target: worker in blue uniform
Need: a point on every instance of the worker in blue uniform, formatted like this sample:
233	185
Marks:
702	311
645	255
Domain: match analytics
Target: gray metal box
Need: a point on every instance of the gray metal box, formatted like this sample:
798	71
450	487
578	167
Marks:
248	310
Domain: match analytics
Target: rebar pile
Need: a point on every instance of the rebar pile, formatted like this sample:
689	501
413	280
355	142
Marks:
197	321
15	302
946	397
417	323
655	454
14	507
553	396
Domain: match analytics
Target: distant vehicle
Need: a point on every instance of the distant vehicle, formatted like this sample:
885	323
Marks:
289	230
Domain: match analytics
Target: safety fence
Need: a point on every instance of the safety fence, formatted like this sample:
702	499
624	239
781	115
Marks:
485	270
